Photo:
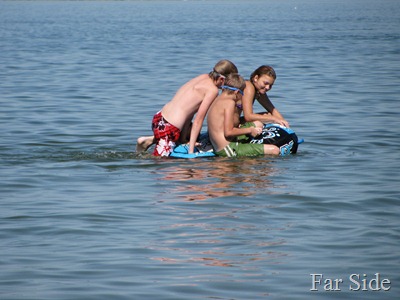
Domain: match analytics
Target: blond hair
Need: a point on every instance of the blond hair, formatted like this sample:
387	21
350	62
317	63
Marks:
236	81
223	68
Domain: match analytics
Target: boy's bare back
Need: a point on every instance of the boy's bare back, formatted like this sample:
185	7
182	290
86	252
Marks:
221	112
193	97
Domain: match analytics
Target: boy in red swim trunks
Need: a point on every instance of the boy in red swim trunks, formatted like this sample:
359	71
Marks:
165	133
193	98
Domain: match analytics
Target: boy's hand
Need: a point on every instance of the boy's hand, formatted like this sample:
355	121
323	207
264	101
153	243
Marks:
255	131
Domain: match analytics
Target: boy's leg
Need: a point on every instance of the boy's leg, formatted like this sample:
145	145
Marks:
166	136
271	149
258	124
185	133
245	149
144	143
255	149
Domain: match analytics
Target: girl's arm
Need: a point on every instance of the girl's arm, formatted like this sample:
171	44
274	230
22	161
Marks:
251	116
277	116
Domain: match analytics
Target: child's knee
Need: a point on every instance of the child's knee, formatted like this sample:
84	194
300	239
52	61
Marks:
271	149
258	124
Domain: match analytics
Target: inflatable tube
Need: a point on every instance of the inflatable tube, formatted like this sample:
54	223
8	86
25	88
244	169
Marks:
283	137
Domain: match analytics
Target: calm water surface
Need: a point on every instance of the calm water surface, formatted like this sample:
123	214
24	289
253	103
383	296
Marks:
83	216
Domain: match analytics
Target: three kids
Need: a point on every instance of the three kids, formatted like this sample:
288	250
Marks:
199	96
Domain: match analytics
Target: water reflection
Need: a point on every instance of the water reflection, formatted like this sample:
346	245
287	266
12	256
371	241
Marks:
249	260
219	233
207	179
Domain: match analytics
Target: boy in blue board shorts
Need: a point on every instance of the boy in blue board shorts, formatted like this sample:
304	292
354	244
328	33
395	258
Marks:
221	123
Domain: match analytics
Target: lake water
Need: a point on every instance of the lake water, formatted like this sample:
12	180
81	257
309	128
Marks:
85	217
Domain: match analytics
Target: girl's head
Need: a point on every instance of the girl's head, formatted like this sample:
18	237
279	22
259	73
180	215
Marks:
234	84
221	70
263	78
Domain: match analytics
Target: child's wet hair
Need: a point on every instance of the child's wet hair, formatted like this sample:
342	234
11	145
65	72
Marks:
235	80
263	70
223	68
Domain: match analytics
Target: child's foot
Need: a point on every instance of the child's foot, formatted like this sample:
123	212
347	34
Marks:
144	143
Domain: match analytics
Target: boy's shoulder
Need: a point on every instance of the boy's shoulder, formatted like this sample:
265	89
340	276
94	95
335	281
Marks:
207	84
225	100
201	78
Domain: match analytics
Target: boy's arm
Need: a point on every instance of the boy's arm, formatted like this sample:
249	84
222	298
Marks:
231	131
199	118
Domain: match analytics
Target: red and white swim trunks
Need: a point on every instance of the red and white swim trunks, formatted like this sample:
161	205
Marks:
165	134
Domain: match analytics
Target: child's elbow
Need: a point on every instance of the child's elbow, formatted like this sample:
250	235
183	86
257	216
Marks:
229	135
248	118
